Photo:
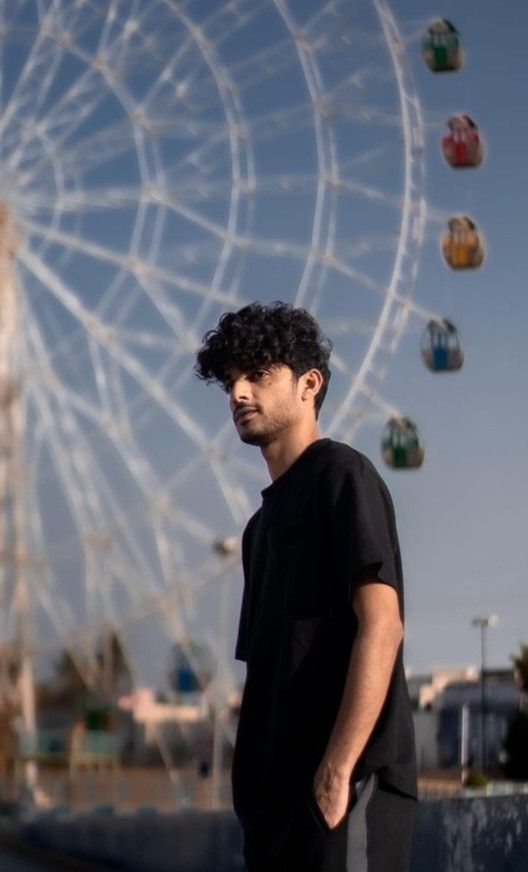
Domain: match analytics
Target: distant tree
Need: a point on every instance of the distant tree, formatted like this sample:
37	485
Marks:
112	666
516	747
516	741
8	737
520	667
70	685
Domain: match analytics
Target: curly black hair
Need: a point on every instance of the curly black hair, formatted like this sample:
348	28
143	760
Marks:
257	336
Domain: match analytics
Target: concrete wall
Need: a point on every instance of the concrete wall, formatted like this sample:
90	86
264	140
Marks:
481	834
484	834
188	841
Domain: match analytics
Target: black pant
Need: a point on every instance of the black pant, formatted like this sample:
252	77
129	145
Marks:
374	836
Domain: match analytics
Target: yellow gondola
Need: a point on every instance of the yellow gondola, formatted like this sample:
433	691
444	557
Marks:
462	247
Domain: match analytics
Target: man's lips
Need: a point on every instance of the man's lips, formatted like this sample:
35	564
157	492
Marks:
241	414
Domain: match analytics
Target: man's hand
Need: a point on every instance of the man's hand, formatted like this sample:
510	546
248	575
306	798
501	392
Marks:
332	794
372	659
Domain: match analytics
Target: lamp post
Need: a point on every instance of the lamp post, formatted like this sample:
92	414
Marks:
483	623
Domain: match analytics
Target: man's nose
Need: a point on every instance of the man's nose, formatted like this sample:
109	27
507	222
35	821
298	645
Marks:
240	391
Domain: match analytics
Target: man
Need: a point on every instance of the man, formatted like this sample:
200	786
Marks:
324	769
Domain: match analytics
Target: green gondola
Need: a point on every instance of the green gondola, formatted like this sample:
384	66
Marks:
401	444
442	48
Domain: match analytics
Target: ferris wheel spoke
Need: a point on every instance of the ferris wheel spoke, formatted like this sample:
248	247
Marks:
47	590
423	313
348	326
95	199
223	82
159	394
38	62
100	377
75	105
117	198
55	42
79	101
155	492
62	463
268	62
92	151
144	339
82	96
84	484
116	258
167	308
168	73
84	99
22	138
182	419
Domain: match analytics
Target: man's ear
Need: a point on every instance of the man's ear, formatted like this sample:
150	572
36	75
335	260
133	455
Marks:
313	382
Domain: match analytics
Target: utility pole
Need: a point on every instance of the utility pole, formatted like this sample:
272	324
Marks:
15	600
483	623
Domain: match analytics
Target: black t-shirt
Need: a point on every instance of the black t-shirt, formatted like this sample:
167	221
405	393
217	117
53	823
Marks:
325	519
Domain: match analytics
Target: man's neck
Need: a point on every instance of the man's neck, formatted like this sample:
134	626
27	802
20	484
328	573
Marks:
283	451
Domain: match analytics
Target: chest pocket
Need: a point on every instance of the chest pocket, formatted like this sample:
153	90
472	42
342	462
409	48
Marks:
296	566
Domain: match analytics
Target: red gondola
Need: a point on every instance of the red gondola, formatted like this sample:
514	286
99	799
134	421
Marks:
463	146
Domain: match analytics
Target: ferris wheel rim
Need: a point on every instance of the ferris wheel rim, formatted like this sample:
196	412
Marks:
412	226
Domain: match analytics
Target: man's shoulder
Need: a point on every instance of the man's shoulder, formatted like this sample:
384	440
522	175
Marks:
339	459
346	473
250	526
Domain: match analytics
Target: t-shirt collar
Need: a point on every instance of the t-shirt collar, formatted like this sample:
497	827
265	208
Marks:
306	455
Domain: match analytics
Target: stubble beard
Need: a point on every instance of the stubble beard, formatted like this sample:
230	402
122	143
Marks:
258	439
268	430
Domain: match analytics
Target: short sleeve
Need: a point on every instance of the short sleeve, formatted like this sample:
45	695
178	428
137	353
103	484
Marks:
359	516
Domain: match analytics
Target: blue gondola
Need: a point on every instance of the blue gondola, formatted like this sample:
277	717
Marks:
441	347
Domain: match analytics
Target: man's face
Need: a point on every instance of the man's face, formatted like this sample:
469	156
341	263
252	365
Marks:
264	402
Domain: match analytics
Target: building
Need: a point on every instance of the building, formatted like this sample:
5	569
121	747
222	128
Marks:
439	699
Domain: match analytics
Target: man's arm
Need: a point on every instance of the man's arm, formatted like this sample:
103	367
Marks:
378	639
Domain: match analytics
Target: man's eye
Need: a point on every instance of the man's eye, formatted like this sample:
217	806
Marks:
260	373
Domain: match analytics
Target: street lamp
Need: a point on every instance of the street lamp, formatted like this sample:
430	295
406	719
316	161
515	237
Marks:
483	623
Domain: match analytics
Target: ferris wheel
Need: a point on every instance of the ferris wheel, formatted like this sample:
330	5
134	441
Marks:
161	163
